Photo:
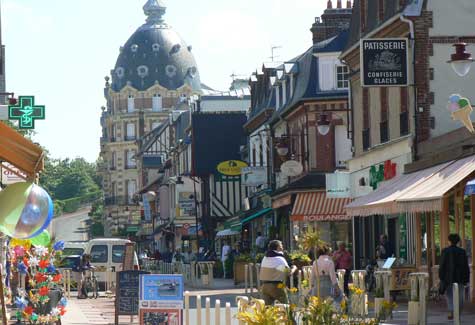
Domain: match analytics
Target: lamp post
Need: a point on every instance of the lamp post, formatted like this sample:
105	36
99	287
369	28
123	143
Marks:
461	60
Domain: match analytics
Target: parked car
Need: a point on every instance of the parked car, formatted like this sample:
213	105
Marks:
107	254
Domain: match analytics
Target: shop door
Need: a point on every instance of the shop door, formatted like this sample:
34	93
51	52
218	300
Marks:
392	232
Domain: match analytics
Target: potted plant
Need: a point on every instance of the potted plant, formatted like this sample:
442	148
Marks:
300	259
239	263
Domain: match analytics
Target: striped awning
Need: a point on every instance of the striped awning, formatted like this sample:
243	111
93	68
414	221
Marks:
315	206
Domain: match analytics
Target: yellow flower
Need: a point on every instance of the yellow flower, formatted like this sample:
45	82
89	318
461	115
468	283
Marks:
293	290
281	286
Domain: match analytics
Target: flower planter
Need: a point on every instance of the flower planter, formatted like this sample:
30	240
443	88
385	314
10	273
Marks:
239	272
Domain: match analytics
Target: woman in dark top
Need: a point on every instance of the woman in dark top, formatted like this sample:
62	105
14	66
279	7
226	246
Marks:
453	269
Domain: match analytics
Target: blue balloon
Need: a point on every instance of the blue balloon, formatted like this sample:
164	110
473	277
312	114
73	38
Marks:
454	98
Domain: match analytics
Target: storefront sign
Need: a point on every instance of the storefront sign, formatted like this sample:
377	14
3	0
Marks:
382	172
281	202
253	176
384	62
26	112
186	204
10	174
291	168
231	167
338	185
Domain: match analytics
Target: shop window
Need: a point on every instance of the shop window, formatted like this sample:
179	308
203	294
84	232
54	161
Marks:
99	254
403	123
366	139
384	131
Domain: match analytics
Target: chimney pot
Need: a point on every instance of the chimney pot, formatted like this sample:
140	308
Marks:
338	4
329	4
348	4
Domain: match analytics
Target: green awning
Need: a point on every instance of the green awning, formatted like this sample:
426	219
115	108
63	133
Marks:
256	215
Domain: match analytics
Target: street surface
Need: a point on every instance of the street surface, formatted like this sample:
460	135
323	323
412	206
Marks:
72	227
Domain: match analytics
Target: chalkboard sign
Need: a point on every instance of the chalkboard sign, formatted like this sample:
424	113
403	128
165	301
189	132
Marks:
127	293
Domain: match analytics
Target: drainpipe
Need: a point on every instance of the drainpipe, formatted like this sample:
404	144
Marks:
413	45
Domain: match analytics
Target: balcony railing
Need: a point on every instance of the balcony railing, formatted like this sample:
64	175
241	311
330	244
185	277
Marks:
130	138
118	200
366	139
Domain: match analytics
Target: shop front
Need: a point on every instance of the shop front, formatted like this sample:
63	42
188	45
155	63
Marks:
314	211
417	211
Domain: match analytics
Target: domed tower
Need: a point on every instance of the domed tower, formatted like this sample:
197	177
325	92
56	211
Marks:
155	73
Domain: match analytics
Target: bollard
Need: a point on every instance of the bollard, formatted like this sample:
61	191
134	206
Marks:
258	271
299	280
423	288
341	279
198	309
187	308
208	311
246	270
217	312
291	280
228	313
455	292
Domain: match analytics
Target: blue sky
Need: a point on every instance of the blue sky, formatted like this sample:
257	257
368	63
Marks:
60	51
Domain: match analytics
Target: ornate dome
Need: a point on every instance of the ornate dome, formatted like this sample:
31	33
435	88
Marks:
155	54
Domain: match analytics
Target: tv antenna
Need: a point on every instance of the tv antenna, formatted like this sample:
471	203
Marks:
272	50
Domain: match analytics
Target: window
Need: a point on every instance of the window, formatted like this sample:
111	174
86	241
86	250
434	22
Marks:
99	254
130	162
113	189
118	253
155	125
130	104
157	103
131	189
342	73
130	132
113	160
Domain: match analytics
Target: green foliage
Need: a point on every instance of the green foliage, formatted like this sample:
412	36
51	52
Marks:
300	257
97	229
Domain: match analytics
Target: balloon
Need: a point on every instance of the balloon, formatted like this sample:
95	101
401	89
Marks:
454	98
19	250
26	210
42	239
453	107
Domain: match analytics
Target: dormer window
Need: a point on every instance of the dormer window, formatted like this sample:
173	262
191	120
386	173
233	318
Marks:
155	47
157	103
342	73
130	104
134	48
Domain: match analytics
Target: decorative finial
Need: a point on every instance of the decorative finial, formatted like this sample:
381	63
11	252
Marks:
154	10
329	4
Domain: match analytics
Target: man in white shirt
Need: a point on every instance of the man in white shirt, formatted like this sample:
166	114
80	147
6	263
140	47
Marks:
260	242
274	272
226	250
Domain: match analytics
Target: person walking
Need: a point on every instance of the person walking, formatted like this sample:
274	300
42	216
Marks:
343	261
325	283
226	250
453	268
273	274
260	242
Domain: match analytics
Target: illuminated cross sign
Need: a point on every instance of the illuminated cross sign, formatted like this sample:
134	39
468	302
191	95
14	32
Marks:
26	112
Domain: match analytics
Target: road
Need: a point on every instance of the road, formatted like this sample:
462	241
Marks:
72	227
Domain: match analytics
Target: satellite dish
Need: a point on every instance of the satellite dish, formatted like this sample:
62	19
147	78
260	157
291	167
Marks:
291	168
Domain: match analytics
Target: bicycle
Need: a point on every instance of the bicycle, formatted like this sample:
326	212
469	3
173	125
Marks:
90	285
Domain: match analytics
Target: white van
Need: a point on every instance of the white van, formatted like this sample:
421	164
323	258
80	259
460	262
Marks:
108	253
74	248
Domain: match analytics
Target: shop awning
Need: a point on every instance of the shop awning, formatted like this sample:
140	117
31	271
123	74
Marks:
428	195
383	199
20	152
227	233
315	206
256	215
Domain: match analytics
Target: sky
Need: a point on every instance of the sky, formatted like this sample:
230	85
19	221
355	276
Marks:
61	50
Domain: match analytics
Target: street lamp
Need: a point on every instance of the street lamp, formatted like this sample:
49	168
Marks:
461	60
323	124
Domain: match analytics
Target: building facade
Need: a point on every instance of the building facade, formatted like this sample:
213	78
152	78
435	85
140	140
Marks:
155	74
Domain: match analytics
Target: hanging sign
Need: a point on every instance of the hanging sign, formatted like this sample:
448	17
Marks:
254	176
384	62
338	185
26	112
461	109
231	167
291	168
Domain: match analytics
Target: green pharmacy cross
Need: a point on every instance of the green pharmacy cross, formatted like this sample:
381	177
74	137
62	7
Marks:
26	112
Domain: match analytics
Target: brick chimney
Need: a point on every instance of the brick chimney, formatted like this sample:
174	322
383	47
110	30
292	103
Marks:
331	22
